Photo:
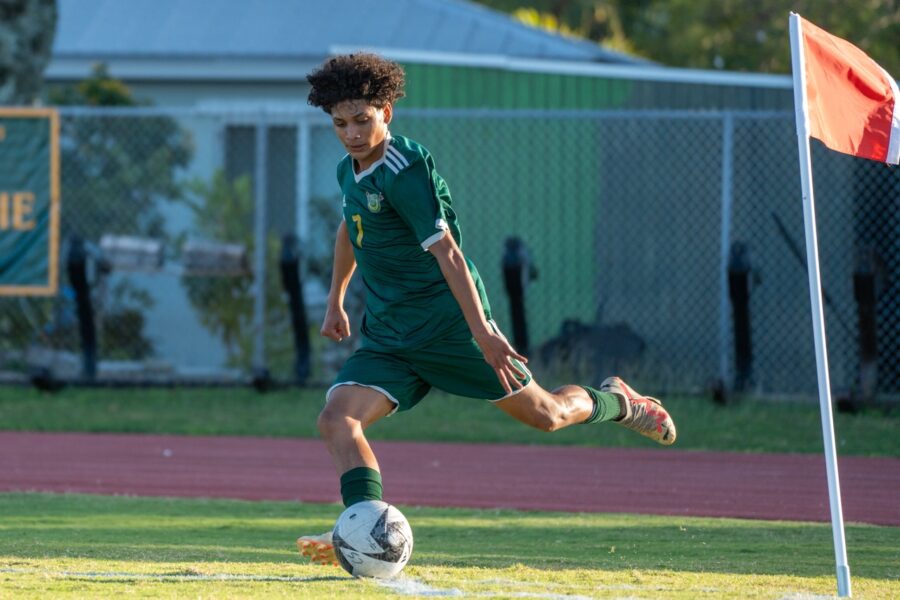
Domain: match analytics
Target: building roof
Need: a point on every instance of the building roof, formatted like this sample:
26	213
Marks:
302	29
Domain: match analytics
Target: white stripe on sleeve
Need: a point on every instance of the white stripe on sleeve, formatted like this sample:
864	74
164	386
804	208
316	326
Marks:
392	162
397	155
441	225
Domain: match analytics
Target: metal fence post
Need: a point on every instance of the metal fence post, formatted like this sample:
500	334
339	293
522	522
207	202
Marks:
260	373
725	248
304	178
77	267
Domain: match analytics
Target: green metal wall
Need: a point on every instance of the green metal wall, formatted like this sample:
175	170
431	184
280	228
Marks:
433	86
510	177
535	179
540	178
441	86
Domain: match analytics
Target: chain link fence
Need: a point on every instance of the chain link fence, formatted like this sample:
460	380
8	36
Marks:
666	246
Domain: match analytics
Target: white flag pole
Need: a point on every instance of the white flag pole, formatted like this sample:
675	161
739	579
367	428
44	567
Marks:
818	315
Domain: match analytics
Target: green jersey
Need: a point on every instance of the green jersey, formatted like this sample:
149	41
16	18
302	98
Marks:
394	211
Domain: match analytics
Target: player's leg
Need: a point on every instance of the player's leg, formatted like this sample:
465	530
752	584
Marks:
550	411
574	404
348	411
370	386
456	365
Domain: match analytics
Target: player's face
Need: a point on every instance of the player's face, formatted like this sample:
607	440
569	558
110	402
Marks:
361	128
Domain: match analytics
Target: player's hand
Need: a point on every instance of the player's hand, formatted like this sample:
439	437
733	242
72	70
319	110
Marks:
499	354
336	325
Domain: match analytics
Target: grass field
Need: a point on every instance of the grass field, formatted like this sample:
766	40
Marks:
750	426
102	547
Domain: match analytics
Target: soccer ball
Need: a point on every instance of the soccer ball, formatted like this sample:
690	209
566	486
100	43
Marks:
372	539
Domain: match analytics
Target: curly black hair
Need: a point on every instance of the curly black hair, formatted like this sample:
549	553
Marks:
361	76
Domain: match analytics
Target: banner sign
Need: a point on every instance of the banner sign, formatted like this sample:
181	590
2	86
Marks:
29	201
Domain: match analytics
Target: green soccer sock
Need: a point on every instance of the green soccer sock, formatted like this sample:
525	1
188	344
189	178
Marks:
359	484
607	406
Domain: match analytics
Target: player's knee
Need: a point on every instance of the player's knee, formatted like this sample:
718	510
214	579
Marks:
332	422
545	421
551	424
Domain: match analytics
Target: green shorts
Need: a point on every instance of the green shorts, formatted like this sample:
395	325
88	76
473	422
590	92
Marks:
405	376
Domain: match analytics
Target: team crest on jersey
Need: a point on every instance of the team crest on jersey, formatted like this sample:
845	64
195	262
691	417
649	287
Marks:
374	201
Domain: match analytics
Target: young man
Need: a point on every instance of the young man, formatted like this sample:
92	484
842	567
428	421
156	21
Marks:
427	320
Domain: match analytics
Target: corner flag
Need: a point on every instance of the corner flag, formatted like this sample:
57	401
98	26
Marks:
843	98
852	101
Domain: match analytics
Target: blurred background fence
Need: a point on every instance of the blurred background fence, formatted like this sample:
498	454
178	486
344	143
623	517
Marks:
666	246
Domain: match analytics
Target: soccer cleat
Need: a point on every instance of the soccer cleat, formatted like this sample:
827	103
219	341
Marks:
644	414
317	548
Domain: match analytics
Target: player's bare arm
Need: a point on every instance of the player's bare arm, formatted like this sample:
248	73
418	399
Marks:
336	324
497	350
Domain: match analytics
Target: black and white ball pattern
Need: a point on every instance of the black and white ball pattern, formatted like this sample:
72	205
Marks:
372	539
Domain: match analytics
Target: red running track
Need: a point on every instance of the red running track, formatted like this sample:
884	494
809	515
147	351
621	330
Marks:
652	481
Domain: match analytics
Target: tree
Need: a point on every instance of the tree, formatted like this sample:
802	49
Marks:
27	29
716	34
224	212
753	36
116	172
598	21
117	167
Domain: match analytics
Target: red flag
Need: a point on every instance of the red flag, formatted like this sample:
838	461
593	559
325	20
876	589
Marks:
852	101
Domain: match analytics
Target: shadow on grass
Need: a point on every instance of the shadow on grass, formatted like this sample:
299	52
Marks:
136	577
39	526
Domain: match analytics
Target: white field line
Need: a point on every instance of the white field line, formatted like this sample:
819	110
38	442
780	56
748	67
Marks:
408	586
414	587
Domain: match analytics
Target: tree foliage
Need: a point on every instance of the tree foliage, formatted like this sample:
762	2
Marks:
116	172
716	34
118	167
224	212
27	30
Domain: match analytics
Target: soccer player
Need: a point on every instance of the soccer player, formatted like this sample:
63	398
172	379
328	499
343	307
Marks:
427	320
